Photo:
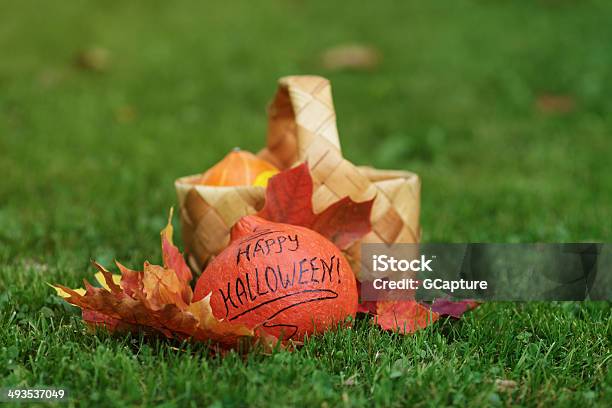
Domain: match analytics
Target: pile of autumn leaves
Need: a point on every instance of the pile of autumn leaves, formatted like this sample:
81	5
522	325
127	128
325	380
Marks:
160	298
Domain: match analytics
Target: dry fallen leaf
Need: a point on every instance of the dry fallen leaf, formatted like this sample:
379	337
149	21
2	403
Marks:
94	59
351	56
560	104
125	114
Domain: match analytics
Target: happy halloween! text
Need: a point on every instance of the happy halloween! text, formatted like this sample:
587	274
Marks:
265	282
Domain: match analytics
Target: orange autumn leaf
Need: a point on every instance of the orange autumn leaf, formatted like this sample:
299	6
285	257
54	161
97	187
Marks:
404	316
162	287
289	201
173	259
131	281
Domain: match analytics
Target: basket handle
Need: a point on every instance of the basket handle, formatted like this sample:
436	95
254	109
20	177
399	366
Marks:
301	113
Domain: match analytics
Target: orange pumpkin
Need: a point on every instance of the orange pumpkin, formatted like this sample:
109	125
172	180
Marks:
286	280
239	168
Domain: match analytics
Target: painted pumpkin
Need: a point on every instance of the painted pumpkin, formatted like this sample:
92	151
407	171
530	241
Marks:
286	280
239	168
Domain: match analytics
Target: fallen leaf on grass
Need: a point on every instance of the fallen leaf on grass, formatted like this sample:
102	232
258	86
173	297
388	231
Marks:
410	314
125	114
560	104
94	59
351	56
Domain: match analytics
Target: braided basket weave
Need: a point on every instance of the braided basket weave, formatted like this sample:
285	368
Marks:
302	127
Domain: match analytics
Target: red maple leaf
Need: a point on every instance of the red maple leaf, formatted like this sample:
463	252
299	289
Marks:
289	201
408	316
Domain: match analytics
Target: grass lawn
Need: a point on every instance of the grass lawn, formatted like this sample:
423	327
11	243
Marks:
503	108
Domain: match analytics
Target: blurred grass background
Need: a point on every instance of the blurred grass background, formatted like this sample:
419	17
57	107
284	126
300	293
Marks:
503	109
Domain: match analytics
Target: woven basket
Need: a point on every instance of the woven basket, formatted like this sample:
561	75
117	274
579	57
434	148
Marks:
302	127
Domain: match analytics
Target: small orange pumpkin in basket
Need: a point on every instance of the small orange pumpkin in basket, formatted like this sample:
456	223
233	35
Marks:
239	168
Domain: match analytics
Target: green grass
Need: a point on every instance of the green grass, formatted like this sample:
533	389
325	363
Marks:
452	100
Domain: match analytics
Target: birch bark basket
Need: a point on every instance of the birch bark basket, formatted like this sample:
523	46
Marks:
302	127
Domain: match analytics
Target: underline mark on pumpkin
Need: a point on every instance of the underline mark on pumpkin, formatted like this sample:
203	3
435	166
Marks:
268	324
333	295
